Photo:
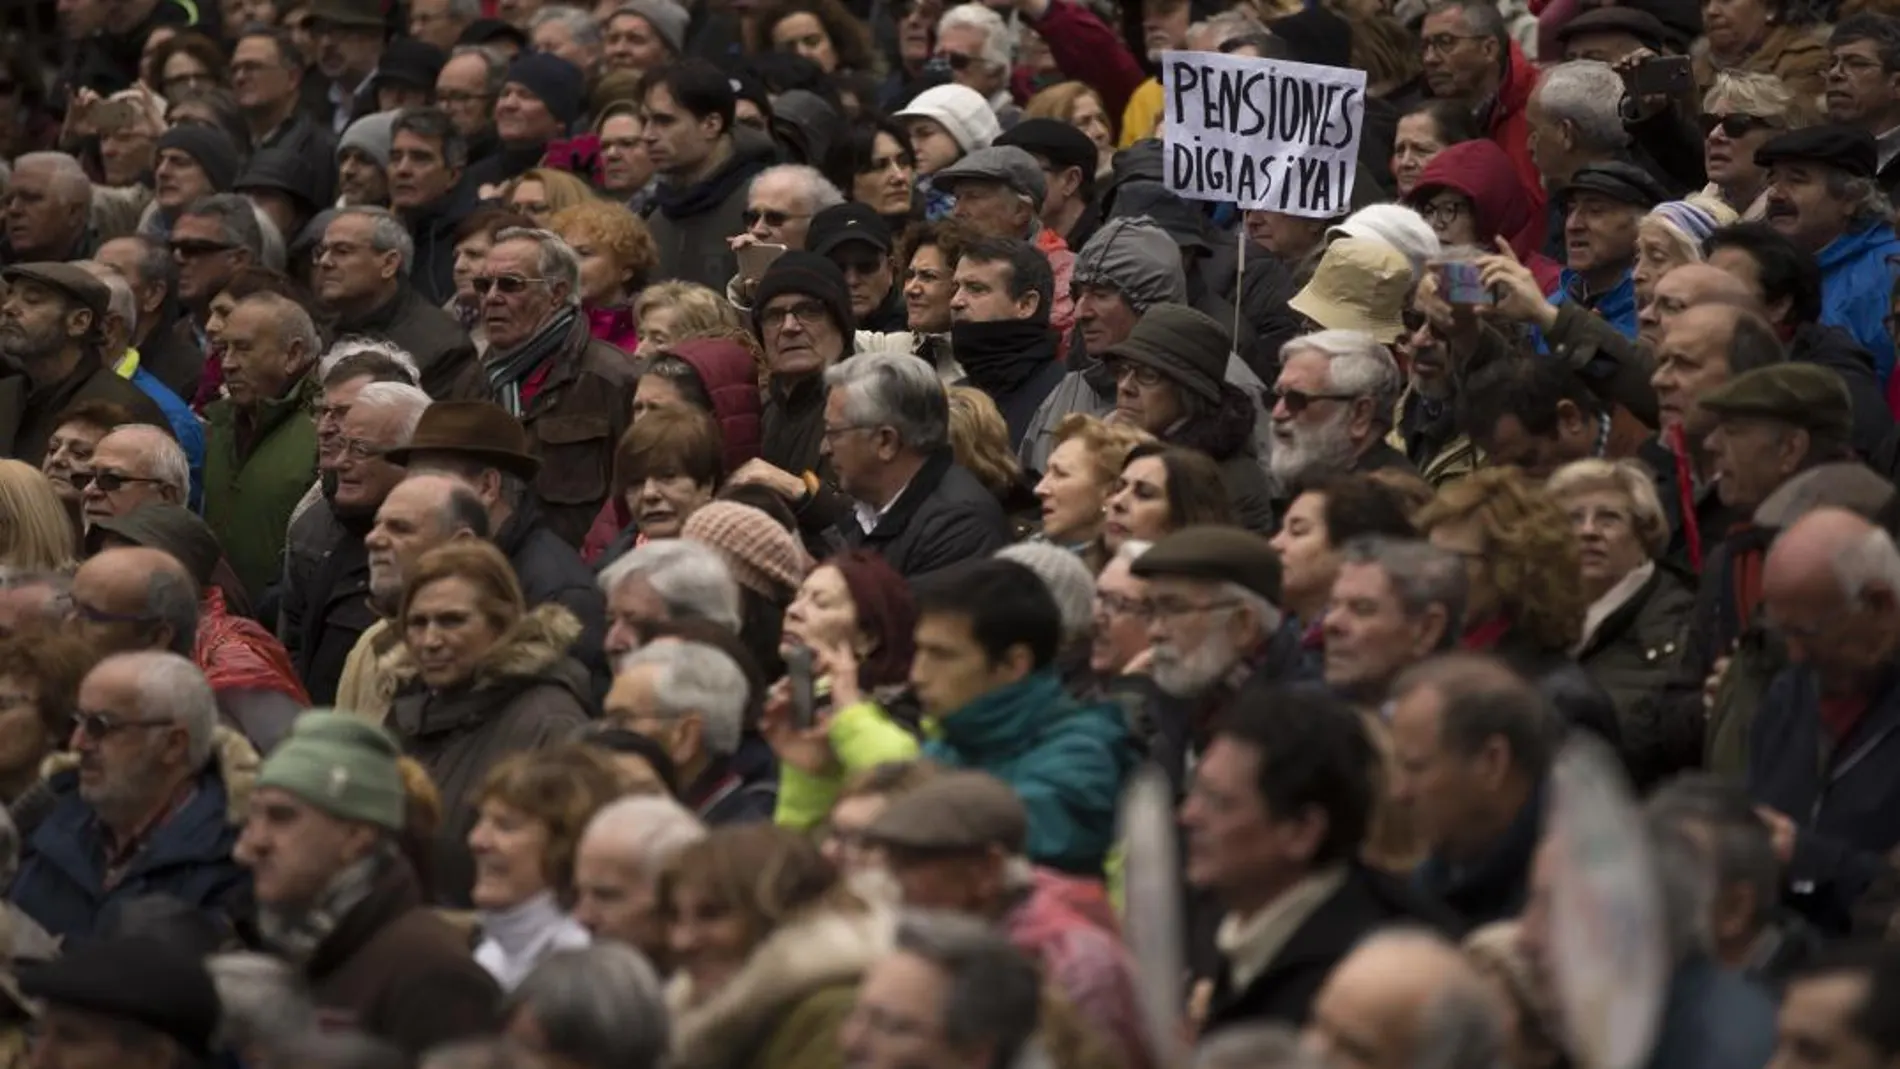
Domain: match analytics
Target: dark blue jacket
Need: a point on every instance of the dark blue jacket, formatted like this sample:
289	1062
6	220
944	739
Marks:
1495	885
1713	1018
1844	796
61	882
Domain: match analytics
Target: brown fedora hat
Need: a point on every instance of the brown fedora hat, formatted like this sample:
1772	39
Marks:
478	430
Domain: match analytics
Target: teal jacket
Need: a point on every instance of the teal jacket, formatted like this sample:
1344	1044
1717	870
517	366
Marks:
250	494
1066	761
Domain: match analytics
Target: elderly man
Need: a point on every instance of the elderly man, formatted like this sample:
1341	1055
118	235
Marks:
363	279
999	327
261	448
644	36
617	870
1276	759
194	162
567	32
466	88
1831	591
427	157
52	321
134	598
333	610
1822	196
418	514
802	317
1404	997
484	447
1469	56
1861	91
127	1000
1332	406
349	37
133	465
691	697
1394	603
779	207
267	73
145	812
573	394
441	22
161	332
47	210
1069	160
1602	203
661	582
213	238
963	994
887	437
703	166
859	241
323	832
977	46
999	194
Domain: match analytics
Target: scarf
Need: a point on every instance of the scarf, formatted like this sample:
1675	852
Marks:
507	371
296	936
1685	496
1001	355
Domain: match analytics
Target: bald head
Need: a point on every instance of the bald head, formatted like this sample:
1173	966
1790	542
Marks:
136	598
149	466
1685	287
417	515
1831	590
1399	994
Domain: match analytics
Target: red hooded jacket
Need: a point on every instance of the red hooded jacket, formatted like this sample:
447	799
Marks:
1511	129
1500	205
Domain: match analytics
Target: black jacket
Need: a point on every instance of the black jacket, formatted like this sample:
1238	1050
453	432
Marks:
792	424
1226	435
332	614
29	415
1633	654
1014	362
1713	519
439	344
944	517
432	228
1494	885
173	355
1576	698
551	572
1836	350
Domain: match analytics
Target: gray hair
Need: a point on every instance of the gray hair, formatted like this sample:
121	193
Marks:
1421	574
558	261
497	67
434	124
355	345
153	264
996	40
1356	364
894	390
1068	580
164	458
171	598
236	215
653	827
1741	849
68	179
702	679
599	1005
1459	1029
172	689
1227	26
1265	611
689	577
386	234
1871	562
120	301
580	25
465	9
1256	1046
270	242
1589	96
263	1000
407	402
994	995
1869	201
816	189
291	322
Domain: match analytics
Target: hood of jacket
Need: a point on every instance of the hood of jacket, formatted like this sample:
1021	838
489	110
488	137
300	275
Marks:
535	648
752	152
1136	256
233	758
1875	239
808	125
1519	82
824	946
731	377
1481	172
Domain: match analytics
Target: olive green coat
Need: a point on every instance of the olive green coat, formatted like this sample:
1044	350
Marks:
251	490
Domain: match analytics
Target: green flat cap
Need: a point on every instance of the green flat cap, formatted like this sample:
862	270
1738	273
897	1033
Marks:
1217	553
953	813
1796	392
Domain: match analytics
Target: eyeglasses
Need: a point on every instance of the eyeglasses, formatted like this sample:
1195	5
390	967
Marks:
751	217
109	482
1599	518
1141	373
1298	401
453	97
1122	605
1445	42
828	433
869	265
507	284
1167	608
808	313
100	727
958	61
1734	125
1854	64
358	449
193	248
1443	212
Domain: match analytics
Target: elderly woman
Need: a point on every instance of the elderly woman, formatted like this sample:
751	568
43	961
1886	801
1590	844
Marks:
1160	490
40	673
1633	631
768	562
36	530
616	255
671	311
595	1007
1524	595
533	808
667	466
1741	112
1672	235
1320	521
1773	37
480	678
1080	475
1423	133
770	946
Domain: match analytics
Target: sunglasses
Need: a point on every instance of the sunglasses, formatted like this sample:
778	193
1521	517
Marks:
1734	125
108	482
750	217
508	284
1298	401
958	61
192	248
869	265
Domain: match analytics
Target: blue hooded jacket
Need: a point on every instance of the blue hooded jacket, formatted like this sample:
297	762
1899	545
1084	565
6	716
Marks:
1857	288
1616	305
1064	759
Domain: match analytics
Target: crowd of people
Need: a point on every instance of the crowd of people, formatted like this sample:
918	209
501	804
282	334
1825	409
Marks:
556	537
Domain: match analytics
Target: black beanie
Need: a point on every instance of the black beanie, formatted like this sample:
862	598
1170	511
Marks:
810	274
560	85
211	147
1315	35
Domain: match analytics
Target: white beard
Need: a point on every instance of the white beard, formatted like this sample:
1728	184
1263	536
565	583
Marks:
1190	675
1311	451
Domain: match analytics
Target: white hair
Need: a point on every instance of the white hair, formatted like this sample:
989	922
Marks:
386	233
996	42
558	261
1265	611
172	689
1872	562
351	345
816	189
68	179
271	251
407	402
1356	364
894	390
1589	96
695	678
164	458
690	578
648	830
580	25
120	300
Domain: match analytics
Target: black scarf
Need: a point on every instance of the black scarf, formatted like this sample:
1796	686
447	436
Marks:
507	371
1002	355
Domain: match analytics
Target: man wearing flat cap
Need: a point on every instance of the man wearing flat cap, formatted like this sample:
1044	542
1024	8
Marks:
999	193
1602	204
52	320
1609	34
1822	195
1069	160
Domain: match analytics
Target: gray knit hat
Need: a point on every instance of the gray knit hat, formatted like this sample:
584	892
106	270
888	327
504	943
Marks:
667	18
344	765
1136	257
373	135
1062	571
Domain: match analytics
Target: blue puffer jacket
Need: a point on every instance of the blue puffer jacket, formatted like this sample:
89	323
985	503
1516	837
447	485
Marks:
1616	305
61	882
1065	760
1856	287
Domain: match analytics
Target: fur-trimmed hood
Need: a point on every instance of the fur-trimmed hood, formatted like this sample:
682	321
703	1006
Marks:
536	646
236	759
822	948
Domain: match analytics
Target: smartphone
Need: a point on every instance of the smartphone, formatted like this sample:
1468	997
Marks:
1662	76
754	259
1459	282
804	695
110	116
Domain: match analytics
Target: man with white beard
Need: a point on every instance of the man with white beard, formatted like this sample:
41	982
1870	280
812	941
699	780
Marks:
1332	407
1215	624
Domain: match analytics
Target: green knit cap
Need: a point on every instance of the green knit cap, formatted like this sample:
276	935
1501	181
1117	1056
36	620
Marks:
343	765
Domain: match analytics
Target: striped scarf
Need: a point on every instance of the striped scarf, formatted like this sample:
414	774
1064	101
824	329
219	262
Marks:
507	371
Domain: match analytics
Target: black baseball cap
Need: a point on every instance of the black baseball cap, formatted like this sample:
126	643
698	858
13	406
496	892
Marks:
841	224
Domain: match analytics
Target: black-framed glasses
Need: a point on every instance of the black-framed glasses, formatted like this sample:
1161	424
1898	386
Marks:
1141	373
193	248
507	284
1854	64
1298	401
102	726
1441	213
109	482
808	313
774	219
1122	605
1168	608
1734	125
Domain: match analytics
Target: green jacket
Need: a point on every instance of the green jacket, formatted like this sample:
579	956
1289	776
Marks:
249	498
861	736
1066	761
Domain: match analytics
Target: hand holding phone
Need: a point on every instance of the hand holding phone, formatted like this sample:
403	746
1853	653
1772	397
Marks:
754	259
798	672
1460	282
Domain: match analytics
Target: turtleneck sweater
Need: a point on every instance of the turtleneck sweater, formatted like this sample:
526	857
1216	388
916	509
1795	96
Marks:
514	940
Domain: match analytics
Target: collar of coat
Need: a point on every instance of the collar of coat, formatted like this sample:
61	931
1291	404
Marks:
532	647
233	758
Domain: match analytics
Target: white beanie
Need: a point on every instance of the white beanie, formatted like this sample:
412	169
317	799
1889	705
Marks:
961	111
1396	225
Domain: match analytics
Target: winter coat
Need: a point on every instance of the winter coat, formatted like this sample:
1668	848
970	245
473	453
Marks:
1494	885
1018	376
61	882
1064	759
526	693
367	685
861	737
1712	518
785	1006
1481	172
422	329
314	533
251	487
574	424
1631	654
257	687
615	326
690	226
1836	350
1508	124
29	416
397	971
432	227
1428	435
1856	288
1084	962
730	375
1713	1018
943	517
551	573
1615	306
1844	795
1575	697
333	613
1797	56
1226	435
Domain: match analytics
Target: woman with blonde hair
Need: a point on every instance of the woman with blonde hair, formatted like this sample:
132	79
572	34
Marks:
541	191
1080	474
1672	235
1079	105
616	253
1635	629
1741	112
671	311
979	439
1524	594
769	946
36	531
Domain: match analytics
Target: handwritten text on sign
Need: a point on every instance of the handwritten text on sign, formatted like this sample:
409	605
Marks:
1262	133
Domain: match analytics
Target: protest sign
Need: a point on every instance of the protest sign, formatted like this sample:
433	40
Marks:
1262	133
